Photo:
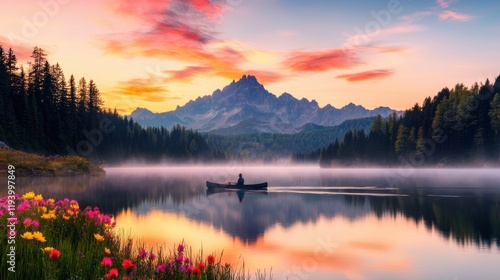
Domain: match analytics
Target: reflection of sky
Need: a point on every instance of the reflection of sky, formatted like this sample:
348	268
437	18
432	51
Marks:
336	248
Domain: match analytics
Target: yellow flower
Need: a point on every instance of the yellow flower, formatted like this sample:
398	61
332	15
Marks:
66	217
98	237
108	226
70	213
38	236
74	205
42	209
38	197
48	249
27	235
107	250
29	195
48	216
50	201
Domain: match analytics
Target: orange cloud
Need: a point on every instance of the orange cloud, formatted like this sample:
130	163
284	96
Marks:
453	16
367	75
317	61
142	89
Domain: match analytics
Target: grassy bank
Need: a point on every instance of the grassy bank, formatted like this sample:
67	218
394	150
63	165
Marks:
27	164
58	240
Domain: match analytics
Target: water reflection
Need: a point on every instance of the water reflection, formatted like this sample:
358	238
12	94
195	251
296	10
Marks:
354	224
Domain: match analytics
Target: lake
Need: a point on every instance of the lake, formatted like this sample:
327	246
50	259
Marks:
312	223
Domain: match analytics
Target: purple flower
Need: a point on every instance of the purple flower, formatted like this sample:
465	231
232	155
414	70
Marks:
180	248
143	254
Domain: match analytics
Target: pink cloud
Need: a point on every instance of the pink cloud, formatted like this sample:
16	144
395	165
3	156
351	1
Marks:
21	50
444	3
367	75
453	16
322	60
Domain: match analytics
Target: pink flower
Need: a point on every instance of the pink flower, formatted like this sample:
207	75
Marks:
113	273
187	260
24	205
35	224
152	256
161	268
27	222
179	259
180	248
106	261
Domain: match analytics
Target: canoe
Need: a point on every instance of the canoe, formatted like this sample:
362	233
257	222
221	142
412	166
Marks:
260	186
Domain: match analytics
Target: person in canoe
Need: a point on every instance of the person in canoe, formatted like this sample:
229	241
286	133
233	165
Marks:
241	181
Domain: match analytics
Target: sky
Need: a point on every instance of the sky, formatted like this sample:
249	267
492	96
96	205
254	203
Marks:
159	54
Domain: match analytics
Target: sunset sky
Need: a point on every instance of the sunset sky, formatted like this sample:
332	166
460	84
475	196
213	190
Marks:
159	54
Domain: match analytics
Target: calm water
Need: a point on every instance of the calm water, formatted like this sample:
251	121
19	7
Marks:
311	223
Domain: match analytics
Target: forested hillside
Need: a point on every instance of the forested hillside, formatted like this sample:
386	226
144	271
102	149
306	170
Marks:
460	126
41	111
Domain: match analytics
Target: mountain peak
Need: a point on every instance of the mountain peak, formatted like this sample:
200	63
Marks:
249	79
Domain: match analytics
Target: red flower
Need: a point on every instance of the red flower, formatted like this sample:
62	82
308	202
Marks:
128	264
196	271
54	254
201	266
113	273
211	259
106	261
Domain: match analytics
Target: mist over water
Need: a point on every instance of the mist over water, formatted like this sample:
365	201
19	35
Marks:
379	223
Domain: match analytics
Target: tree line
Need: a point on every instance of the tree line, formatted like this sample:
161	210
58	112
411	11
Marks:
457	126
41	111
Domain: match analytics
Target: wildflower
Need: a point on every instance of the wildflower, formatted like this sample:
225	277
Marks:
54	254
29	195
107	251
161	268
27	235
201	266
35	224
179	259
180	248
42	209
143	254
24	205
113	273
27	222
211	259
48	249
127	264
38	197
50	201
66	217
152	256
187	260
49	216
74	204
196	271
106	261
38	236
98	237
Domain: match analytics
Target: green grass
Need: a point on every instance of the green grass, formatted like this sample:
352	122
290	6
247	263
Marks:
28	164
74	243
